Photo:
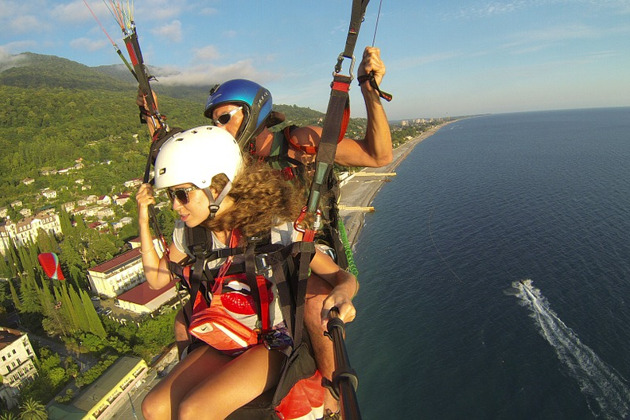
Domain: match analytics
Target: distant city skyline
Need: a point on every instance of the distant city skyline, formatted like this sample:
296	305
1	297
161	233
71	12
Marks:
443	58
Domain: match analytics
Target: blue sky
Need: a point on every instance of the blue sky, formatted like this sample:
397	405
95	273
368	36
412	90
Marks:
443	58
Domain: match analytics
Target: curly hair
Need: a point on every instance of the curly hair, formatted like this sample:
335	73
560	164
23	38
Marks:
262	200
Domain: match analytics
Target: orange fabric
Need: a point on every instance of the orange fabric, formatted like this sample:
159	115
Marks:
304	401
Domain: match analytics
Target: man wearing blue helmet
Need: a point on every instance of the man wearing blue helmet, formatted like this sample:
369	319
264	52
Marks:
244	108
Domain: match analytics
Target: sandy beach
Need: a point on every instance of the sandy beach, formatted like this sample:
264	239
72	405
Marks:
360	190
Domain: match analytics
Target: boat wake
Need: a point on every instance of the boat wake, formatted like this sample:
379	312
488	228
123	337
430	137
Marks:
607	394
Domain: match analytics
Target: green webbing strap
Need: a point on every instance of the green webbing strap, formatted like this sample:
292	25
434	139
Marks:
347	248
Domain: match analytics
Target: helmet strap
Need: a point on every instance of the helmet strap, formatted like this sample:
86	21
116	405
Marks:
215	203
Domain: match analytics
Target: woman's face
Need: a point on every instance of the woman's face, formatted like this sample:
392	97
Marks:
235	120
195	209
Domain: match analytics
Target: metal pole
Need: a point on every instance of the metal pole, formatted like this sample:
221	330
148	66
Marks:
344	378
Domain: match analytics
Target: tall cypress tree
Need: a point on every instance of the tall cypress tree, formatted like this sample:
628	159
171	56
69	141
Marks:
65	222
96	326
77	308
15	297
52	322
29	293
67	308
62	309
5	271
14	260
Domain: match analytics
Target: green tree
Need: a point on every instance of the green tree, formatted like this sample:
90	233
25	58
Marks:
65	222
95	326
14	296
5	270
31	409
76	307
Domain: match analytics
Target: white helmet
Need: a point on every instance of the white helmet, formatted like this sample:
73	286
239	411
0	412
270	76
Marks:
195	156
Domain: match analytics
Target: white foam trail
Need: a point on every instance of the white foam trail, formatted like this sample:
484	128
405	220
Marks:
606	393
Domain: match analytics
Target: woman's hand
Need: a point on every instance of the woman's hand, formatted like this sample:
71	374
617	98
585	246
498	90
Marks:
144	198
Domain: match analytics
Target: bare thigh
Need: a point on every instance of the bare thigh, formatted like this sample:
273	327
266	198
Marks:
234	384
164	399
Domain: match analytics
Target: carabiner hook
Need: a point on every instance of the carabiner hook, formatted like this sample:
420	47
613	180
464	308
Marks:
338	66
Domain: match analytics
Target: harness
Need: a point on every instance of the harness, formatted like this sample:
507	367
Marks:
289	265
332	233
278	157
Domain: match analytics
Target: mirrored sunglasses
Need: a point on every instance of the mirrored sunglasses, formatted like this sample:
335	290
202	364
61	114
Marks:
181	194
225	118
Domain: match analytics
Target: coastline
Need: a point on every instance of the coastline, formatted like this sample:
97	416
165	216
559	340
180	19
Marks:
359	191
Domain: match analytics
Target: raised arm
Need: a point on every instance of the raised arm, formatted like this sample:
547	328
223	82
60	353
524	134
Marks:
142	102
376	149
156	268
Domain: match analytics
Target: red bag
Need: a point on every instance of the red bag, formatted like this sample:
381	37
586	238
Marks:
217	326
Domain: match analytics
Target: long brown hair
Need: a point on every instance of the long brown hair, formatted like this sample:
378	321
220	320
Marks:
262	200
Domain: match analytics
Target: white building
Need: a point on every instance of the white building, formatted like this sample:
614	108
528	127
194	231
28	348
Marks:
133	183
49	194
27	230
104	200
144	300
117	275
16	364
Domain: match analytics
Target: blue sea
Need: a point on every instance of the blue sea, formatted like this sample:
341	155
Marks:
495	273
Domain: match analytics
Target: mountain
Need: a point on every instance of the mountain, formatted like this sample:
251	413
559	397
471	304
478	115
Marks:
55	112
30	70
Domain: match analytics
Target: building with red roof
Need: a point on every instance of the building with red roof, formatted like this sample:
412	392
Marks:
142	299
117	275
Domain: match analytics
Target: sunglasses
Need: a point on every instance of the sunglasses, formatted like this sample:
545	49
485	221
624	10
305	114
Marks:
225	118
181	194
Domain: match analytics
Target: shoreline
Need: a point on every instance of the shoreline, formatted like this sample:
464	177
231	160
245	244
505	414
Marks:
361	191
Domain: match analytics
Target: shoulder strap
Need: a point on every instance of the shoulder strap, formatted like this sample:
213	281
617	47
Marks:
288	135
279	146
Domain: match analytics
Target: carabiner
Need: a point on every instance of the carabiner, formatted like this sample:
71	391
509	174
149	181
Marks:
338	66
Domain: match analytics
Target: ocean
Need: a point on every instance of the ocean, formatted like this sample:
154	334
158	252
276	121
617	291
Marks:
495	273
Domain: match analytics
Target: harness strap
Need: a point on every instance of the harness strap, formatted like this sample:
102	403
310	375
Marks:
356	18
335	125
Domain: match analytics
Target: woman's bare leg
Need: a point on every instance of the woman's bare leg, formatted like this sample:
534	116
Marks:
233	385
164	399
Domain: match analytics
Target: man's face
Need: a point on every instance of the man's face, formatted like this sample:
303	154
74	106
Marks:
229	117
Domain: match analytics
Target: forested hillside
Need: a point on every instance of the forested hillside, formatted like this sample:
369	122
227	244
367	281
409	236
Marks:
54	112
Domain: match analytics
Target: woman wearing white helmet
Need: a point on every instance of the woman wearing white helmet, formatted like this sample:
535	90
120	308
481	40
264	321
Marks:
210	185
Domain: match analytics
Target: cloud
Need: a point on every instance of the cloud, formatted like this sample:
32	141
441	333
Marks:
17	46
160	10
208	74
206	54
23	24
86	44
208	11
7	60
171	31
76	11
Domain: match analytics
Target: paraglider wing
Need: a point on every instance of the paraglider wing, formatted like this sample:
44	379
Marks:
50	263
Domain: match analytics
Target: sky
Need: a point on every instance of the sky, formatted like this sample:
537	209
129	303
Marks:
444	58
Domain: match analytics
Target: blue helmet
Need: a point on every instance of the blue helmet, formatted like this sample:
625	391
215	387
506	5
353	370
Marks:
256	102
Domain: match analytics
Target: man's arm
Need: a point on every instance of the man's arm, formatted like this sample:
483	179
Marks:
376	149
